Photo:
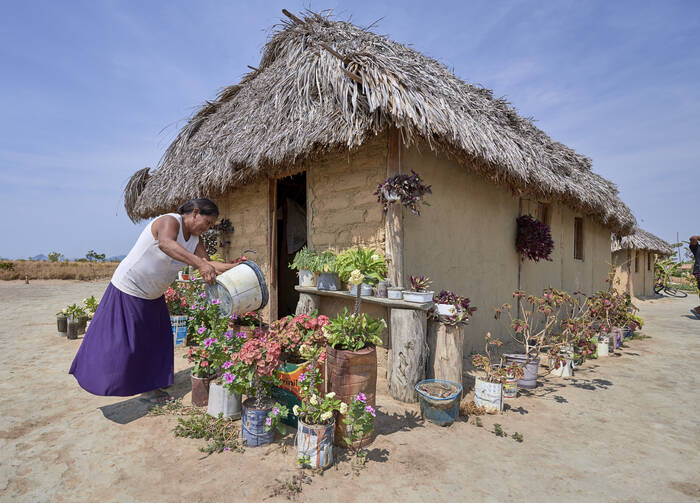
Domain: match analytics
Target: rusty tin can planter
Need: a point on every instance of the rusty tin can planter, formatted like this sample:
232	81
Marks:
253	424
350	373
200	390
315	444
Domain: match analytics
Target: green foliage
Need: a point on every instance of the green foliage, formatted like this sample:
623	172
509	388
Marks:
7	266
477	421
358	421
316	409
304	259
275	416
367	261
518	437
498	431
354	332
221	434
419	283
93	256
55	256
74	311
326	262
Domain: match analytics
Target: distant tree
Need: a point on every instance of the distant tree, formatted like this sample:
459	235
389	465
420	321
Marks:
93	256
55	256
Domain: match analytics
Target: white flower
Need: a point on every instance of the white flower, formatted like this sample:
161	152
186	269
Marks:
356	277
326	415
313	400
343	408
295	409
376	257
330	395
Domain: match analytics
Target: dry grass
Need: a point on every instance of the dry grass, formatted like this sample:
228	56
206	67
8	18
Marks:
58	270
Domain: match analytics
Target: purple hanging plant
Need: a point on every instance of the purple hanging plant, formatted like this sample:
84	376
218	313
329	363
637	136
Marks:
534	239
409	189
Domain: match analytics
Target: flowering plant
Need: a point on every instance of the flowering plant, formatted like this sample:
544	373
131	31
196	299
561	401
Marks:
366	262
314	408
419	283
300	331
204	319
354	332
496	372
275	416
534	239
249	319
251	371
409	189
203	360
358	421
462	308
91	304
177	304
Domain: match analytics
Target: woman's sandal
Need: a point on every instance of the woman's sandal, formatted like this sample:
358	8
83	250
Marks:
157	399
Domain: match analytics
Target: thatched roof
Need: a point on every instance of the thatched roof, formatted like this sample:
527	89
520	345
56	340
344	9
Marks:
641	240
325	85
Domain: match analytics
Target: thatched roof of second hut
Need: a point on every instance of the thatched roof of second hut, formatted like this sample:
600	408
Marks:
324	85
641	240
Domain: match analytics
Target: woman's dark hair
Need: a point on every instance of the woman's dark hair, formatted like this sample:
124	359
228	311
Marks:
205	206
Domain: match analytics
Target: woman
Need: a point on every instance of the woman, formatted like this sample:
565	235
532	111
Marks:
695	250
128	348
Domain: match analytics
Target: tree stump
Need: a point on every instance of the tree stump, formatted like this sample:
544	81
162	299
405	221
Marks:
308	303
445	350
408	353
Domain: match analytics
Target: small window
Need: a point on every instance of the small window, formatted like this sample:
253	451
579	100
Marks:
636	261
544	213
648	261
578	238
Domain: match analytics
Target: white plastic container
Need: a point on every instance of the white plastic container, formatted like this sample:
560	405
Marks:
365	291
222	402
395	293
306	278
240	289
421	297
488	395
603	346
446	309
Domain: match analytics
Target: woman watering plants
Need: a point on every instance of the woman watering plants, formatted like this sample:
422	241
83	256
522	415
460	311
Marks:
128	348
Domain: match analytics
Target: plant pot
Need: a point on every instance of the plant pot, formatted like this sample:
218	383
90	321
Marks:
617	337
328	281
306	278
422	297
441	410
221	401
382	290
394	292
253	424
179	326
72	328
315	441
603	345
365	291
529	380
62	324
82	324
446	309
288	392
350	373
488	395
510	387
564	370
627	332
200	390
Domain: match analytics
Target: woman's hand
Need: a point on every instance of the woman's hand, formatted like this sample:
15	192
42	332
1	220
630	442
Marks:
208	272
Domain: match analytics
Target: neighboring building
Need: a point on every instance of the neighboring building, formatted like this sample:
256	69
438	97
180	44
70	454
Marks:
634	257
330	112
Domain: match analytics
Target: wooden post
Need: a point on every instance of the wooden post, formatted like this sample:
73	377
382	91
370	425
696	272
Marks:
408	353
272	242
445	350
393	225
308	303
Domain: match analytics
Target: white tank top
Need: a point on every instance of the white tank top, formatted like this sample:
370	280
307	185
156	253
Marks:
146	272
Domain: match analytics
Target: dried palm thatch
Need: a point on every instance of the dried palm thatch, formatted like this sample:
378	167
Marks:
641	240
324	85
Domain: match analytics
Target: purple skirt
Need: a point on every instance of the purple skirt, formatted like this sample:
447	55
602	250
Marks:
128	347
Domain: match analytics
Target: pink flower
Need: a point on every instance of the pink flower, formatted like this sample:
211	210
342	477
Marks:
209	342
201	308
228	334
240	335
203	295
234	317
228	376
201	330
275	411
227	365
216	301
370	409
302	376
194	307
360	398
268	421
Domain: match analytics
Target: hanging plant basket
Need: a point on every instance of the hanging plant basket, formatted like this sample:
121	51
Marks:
534	239
408	189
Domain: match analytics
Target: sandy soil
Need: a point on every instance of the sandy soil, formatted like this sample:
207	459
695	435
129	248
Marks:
625	428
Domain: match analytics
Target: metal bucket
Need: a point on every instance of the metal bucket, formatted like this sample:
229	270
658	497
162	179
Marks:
488	395
253	425
240	290
439	410
222	402
315	443
529	380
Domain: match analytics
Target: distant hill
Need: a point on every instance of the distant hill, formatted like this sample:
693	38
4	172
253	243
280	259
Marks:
41	257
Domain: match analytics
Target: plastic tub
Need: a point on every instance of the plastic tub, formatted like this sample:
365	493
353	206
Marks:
441	411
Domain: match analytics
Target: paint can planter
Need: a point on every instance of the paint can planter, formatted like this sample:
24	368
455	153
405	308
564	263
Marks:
365	291
306	278
395	293
221	401
328	281
350	373
72	328
240	289
288	393
446	309
510	387
179	326
62	325
315	443
529	380
253	424
603	346
200	390
488	395
421	297
440	407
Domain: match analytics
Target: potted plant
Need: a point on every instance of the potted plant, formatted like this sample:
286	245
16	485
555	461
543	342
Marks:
247	322
74	313
361	266
304	263
327	271
351	360
222	401
534	239
453	307
634	323
488	390
409	190
62	322
358	425
574	328
533	330
252	373
418	290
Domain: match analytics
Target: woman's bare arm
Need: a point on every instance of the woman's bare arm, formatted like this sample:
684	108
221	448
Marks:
165	230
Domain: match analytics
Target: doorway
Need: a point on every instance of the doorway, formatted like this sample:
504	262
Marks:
291	237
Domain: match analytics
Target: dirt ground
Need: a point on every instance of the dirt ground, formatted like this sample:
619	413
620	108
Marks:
625	428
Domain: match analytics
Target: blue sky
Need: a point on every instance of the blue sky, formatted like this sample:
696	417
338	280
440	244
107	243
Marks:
92	91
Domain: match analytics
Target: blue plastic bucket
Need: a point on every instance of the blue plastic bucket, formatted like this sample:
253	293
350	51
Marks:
441	411
253	426
179	324
315	442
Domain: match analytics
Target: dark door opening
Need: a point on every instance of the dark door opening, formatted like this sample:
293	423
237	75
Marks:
291	237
